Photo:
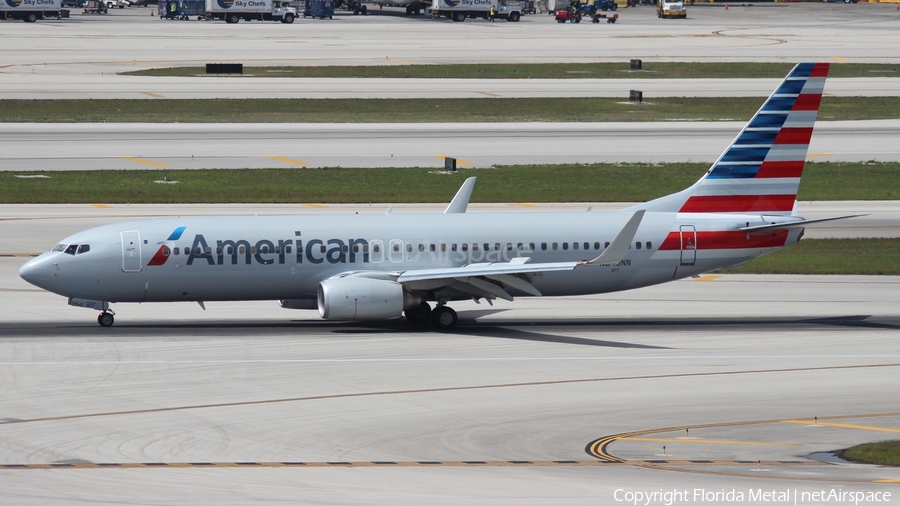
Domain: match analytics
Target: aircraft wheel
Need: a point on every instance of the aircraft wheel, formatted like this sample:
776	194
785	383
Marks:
105	319
443	318
418	314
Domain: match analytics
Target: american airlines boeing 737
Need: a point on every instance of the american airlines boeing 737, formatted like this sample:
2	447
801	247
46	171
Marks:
375	267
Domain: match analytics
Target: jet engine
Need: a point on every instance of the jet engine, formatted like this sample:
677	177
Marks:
357	298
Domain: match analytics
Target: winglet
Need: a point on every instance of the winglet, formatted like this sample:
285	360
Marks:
461	200
618	248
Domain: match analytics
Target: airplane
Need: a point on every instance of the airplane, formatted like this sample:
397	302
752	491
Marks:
385	266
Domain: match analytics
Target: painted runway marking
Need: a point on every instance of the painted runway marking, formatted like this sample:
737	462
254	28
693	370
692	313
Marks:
708	277
845	426
151	94
598	449
458	161
487	93
146	162
290	161
708	441
101	206
399	463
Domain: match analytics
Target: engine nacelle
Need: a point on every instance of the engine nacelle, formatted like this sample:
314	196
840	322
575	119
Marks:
356	298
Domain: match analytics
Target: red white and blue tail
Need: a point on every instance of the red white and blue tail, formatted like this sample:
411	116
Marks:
760	172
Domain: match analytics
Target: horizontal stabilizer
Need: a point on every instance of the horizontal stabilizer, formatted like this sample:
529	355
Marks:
792	224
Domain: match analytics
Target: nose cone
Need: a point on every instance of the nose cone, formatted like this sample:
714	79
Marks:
35	271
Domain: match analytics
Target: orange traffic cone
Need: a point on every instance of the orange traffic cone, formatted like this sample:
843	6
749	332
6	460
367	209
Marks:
151	14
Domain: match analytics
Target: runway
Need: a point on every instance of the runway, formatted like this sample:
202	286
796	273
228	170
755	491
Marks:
123	146
174	405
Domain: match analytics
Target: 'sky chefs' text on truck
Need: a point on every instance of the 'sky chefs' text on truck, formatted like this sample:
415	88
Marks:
30	10
233	11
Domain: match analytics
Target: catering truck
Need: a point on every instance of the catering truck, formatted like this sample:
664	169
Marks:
670	9
30	11
459	10
233	11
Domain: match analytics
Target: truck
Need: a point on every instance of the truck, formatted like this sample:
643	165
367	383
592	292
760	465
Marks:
670	9
30	11
233	11
459	10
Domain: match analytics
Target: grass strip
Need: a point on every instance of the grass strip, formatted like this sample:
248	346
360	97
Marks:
466	110
830	256
885	453
526	183
597	70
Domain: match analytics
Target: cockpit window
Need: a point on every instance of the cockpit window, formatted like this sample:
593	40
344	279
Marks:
59	247
71	249
84	248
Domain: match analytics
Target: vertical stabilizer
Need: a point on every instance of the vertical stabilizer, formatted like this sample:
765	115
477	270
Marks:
760	171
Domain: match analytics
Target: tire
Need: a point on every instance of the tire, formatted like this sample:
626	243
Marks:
443	318
614	7
105	320
232	19
418	314
364	10
459	17
288	18
30	17
576	20
513	17
595	20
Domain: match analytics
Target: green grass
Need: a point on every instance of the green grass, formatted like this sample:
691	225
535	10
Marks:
885	453
830	256
422	110
618	70
528	183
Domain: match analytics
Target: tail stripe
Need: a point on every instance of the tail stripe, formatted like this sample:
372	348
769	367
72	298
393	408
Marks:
773	146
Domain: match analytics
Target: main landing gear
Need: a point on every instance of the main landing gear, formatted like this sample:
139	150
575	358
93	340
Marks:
106	318
441	317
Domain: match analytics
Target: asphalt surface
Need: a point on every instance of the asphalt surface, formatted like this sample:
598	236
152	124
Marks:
123	146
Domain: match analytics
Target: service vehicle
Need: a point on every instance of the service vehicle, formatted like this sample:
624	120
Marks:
459	10
557	5
232	11
670	9
30	11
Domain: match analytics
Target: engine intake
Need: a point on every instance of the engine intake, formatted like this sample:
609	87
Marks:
356	298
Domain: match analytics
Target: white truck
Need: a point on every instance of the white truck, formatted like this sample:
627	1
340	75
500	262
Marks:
459	10
30	11
233	11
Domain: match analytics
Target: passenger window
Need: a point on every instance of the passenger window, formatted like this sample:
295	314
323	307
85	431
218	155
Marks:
84	248
509	246
344	249
606	245
396	247
287	249
465	247
376	248
596	245
443	247
487	247
253	250
322	249
474	246
431	247
565	246
176	250
409	248
587	246
453	247
365	248
71	249
230	250
555	246
165	251
520	246
531	246
574	245
278	249
543	246
242	249
218	250
208	250
649	245
421	248
198	250
638	244
355	249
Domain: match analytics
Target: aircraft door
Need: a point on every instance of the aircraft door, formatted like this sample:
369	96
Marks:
131	251
688	245
396	250
376	252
